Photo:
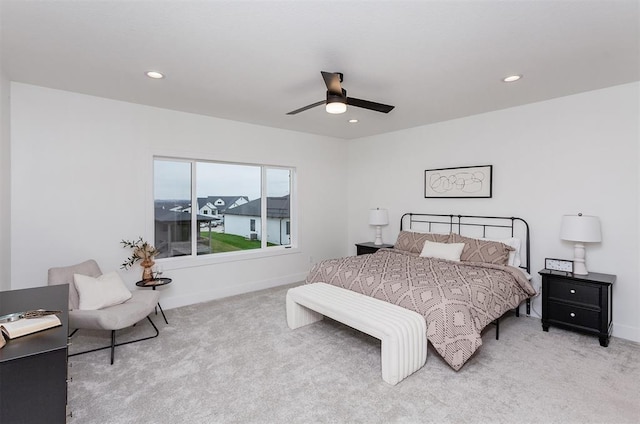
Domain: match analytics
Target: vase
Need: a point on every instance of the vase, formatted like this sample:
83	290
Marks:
147	272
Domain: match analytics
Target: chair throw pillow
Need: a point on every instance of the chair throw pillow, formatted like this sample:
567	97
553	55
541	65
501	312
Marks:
101	292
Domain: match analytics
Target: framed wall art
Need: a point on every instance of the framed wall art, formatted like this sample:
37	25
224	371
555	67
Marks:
463	182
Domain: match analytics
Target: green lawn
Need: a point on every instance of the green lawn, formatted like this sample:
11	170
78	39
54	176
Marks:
230	242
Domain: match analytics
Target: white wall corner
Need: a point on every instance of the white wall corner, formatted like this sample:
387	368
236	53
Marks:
5	181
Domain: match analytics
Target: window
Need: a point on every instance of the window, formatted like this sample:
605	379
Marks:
253	207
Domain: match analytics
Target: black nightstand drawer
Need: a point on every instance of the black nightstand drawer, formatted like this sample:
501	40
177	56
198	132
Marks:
570	291
573	315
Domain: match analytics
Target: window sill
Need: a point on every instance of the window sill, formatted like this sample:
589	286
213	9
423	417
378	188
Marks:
181	262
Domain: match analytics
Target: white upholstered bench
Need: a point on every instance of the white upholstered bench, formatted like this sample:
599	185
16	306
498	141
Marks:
403	333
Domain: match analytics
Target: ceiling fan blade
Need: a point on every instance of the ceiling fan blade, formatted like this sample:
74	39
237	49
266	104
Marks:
302	109
332	81
366	104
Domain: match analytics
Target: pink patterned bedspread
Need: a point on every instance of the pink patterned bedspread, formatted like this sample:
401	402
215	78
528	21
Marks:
457	299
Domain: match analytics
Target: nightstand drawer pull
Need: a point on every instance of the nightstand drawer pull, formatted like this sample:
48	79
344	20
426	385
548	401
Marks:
572	315
572	291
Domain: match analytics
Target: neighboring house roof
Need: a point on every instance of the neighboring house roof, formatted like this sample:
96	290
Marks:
221	203
224	202
172	204
164	215
277	207
204	201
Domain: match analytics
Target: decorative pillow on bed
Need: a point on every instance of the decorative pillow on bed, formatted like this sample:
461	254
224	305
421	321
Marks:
477	250
514	255
414	242
97	293
448	251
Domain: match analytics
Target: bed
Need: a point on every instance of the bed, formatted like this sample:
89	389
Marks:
458	299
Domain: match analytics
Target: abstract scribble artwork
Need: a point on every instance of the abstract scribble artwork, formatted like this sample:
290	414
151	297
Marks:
467	181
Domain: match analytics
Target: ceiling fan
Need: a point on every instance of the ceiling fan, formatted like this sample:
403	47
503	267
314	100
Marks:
337	99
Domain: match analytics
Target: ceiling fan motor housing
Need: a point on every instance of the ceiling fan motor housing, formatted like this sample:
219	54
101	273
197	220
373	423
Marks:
333	97
336	103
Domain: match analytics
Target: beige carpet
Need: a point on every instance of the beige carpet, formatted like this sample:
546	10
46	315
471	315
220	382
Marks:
235	360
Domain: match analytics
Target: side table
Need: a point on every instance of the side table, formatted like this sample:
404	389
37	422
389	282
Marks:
369	247
156	282
578	302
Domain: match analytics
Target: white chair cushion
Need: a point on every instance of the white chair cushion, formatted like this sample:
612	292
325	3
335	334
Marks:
101	292
115	317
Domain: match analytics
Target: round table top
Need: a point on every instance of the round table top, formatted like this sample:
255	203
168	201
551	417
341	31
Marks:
154	282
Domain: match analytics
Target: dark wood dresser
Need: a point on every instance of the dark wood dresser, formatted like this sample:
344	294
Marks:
578	302
33	368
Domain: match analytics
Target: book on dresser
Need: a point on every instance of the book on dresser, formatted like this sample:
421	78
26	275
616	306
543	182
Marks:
25	326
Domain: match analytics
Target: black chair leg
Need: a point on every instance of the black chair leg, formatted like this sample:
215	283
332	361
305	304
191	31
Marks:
113	344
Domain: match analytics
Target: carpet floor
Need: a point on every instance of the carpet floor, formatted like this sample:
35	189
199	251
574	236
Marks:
234	360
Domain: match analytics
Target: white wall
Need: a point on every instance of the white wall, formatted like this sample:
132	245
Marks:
5	178
563	156
81	182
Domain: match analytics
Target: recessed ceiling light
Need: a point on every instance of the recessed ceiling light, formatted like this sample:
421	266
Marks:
154	74
511	78
353	121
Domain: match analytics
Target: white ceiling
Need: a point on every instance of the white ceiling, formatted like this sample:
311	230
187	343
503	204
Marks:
254	61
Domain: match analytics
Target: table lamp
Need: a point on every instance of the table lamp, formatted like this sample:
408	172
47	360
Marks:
580	229
378	217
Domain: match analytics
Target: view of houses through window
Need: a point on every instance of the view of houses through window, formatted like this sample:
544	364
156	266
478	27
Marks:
238	207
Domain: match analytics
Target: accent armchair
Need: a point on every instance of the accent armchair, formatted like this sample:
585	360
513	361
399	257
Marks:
112	318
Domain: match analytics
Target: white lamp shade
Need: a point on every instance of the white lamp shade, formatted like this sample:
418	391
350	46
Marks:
378	217
581	228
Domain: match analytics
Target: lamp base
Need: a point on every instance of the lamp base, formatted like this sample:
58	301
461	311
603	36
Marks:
579	263
378	241
579	268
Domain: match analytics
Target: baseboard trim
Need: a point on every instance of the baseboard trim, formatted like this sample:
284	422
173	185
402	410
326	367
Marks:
626	332
221	292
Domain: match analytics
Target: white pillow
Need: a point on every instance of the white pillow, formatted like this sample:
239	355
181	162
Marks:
97	293
514	255
449	251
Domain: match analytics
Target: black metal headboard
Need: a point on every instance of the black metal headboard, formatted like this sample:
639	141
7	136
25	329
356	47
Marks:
473	226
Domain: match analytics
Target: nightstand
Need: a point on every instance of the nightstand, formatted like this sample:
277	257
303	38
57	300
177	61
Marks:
578	302
370	247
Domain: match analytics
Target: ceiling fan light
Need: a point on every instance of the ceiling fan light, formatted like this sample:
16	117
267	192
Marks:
336	107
